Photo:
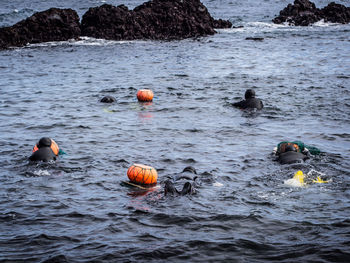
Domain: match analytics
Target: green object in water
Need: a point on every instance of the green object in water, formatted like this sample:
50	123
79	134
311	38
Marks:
313	150
60	152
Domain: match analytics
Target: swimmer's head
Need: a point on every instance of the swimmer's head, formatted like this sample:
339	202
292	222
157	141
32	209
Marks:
290	148
249	94
108	99
44	142
190	169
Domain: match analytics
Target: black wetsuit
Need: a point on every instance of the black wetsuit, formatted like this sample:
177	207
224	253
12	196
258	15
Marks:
108	99
188	176
291	157
44	154
250	103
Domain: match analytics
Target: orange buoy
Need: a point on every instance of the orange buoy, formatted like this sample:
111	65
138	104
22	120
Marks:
145	95
142	174
54	147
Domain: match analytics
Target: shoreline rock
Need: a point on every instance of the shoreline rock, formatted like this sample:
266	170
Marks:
154	20
336	13
51	25
304	13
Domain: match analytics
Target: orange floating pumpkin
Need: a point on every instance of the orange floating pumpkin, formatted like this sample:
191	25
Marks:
54	147
145	95
142	174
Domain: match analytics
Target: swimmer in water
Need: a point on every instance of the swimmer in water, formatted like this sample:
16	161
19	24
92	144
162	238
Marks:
108	99
289	152
312	177
188	175
250	101
45	150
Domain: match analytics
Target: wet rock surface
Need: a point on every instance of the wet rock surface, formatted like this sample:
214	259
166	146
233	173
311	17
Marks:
336	13
51	25
304	13
158	19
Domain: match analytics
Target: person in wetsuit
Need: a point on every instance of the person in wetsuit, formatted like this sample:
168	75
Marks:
108	99
188	175
290	154
44	152
250	101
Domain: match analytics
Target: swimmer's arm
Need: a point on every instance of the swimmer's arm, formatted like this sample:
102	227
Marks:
237	104
275	154
274	151
306	152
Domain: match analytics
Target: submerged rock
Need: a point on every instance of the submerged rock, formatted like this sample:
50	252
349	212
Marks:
156	19
255	38
51	25
304	13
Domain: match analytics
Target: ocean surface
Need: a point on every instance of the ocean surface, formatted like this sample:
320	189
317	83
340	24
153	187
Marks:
78	210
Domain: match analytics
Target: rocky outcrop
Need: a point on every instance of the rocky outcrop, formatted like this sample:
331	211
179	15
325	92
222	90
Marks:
51	25
304	13
157	19
336	13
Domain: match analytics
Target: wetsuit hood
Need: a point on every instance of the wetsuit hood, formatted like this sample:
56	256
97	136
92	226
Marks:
291	148
249	94
190	169
44	142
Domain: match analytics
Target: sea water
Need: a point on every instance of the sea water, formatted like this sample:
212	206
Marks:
77	210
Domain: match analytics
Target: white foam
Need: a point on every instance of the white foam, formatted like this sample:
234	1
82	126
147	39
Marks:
322	23
294	182
83	41
41	172
257	27
90	41
217	184
265	25
313	174
268	27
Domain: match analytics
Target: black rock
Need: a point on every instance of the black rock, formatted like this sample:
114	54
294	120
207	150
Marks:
157	19
51	25
219	23
336	13
304	13
255	38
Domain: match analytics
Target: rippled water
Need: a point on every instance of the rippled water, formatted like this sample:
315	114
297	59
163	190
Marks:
76	210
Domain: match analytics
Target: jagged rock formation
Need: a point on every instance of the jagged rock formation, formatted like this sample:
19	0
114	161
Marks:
51	25
336	13
157	19
304	13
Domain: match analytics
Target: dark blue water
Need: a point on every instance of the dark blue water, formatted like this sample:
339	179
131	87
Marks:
76	210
